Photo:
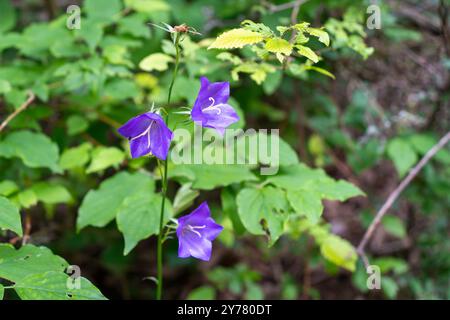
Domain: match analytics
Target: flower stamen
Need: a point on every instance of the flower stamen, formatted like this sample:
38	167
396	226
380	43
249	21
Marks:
213	106
193	229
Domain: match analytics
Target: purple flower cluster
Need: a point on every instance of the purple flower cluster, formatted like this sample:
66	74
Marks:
148	134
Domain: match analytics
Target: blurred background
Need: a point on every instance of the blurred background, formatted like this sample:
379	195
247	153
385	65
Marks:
387	106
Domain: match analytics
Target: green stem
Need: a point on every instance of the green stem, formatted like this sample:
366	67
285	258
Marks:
164	181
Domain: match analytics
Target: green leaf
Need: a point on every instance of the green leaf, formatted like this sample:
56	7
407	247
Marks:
76	124
306	203
229	207
279	45
156	61
100	207
389	287
103	10
8	187
394	225
321	70
321	34
308	53
138	218
402	154
146	6
15	265
184	198
236	38
27	198
338	190
422	143
2	291
5	86
10	216
202	293
103	158
340	252
51	193
75	157
297	177
263	211
7	16
209	177
36	150
56	286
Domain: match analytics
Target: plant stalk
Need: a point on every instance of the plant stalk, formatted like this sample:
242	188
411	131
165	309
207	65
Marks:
164	180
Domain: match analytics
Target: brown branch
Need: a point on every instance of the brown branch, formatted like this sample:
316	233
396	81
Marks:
25	105
396	193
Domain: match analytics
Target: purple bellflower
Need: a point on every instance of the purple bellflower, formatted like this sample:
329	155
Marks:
211	109
195	233
147	134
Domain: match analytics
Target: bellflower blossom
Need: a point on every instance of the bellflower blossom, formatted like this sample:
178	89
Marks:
147	134
195	233
211	109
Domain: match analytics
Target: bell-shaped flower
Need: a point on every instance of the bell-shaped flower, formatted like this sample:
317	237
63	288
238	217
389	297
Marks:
211	109
147	134
195	233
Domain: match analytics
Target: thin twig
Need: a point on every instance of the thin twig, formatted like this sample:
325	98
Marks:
396	193
25	105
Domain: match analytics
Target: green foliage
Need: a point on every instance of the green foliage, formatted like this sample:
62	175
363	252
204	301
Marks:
38	274
34	149
10	216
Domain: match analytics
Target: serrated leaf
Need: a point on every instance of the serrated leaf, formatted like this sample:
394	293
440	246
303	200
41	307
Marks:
308	53
340	252
56	286
278	45
321	34
10	216
34	149
138	218
306	203
156	61
99	207
263	211
15	265
236	38
402	154
104	157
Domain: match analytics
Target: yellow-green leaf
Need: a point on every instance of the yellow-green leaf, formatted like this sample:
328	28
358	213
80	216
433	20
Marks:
278	45
308	53
321	34
156	61
236	38
340	252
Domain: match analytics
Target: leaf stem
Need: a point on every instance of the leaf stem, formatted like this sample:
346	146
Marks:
164	181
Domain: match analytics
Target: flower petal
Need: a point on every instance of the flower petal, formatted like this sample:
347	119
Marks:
135	126
212	230
140	146
220	117
160	136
